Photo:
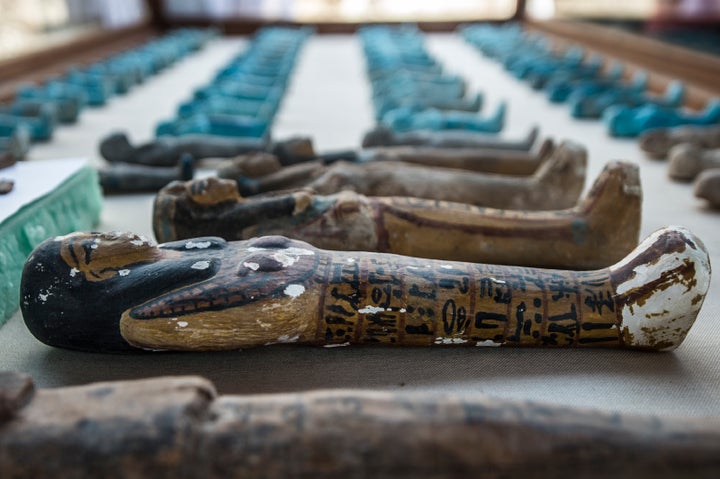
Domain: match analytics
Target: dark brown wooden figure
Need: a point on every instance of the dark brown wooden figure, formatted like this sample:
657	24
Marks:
658	142
112	292
167	151
599	231
556	184
384	136
686	161
132	178
707	187
173	427
486	160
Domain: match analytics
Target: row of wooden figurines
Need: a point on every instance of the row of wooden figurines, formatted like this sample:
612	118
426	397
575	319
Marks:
332	252
693	154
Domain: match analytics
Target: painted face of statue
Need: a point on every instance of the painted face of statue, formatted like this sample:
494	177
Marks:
84	283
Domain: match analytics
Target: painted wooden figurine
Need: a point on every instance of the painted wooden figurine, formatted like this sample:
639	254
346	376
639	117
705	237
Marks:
556	184
599	231
166	151
158	426
658	142
707	187
291	152
131	178
686	161
384	136
117	292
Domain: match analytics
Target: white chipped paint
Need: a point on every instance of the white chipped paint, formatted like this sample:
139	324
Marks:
442	340
412	267
73	272
446	266
666	316
287	256
488	343
403	310
197	244
95	243
351	260
263	325
124	272
286	338
43	297
294	290
182	324
632	190
341	345
140	241
251	265
205	264
631	257
498	281
372	310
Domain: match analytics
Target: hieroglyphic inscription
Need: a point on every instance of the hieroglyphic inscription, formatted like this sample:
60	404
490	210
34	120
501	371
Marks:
422	302
339	313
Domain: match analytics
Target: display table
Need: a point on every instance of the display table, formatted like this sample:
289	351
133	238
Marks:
329	99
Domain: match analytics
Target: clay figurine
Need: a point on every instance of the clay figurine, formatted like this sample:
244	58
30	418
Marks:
109	292
98	88
6	186
707	186
556	184
214	124
69	99
156	427
215	104
41	124
14	140
624	121
167	150
387	104
686	161
658	141
131	178
384	136
599	231
404	119
559	89
62	112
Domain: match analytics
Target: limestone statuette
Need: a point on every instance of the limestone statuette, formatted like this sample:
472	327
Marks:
157	427
384	136
686	161
658	142
166	151
110	292
129	177
599	231
556	184
707	186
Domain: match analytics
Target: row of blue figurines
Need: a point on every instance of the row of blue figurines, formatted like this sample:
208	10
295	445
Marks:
37	109
412	92
244	96
592	89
